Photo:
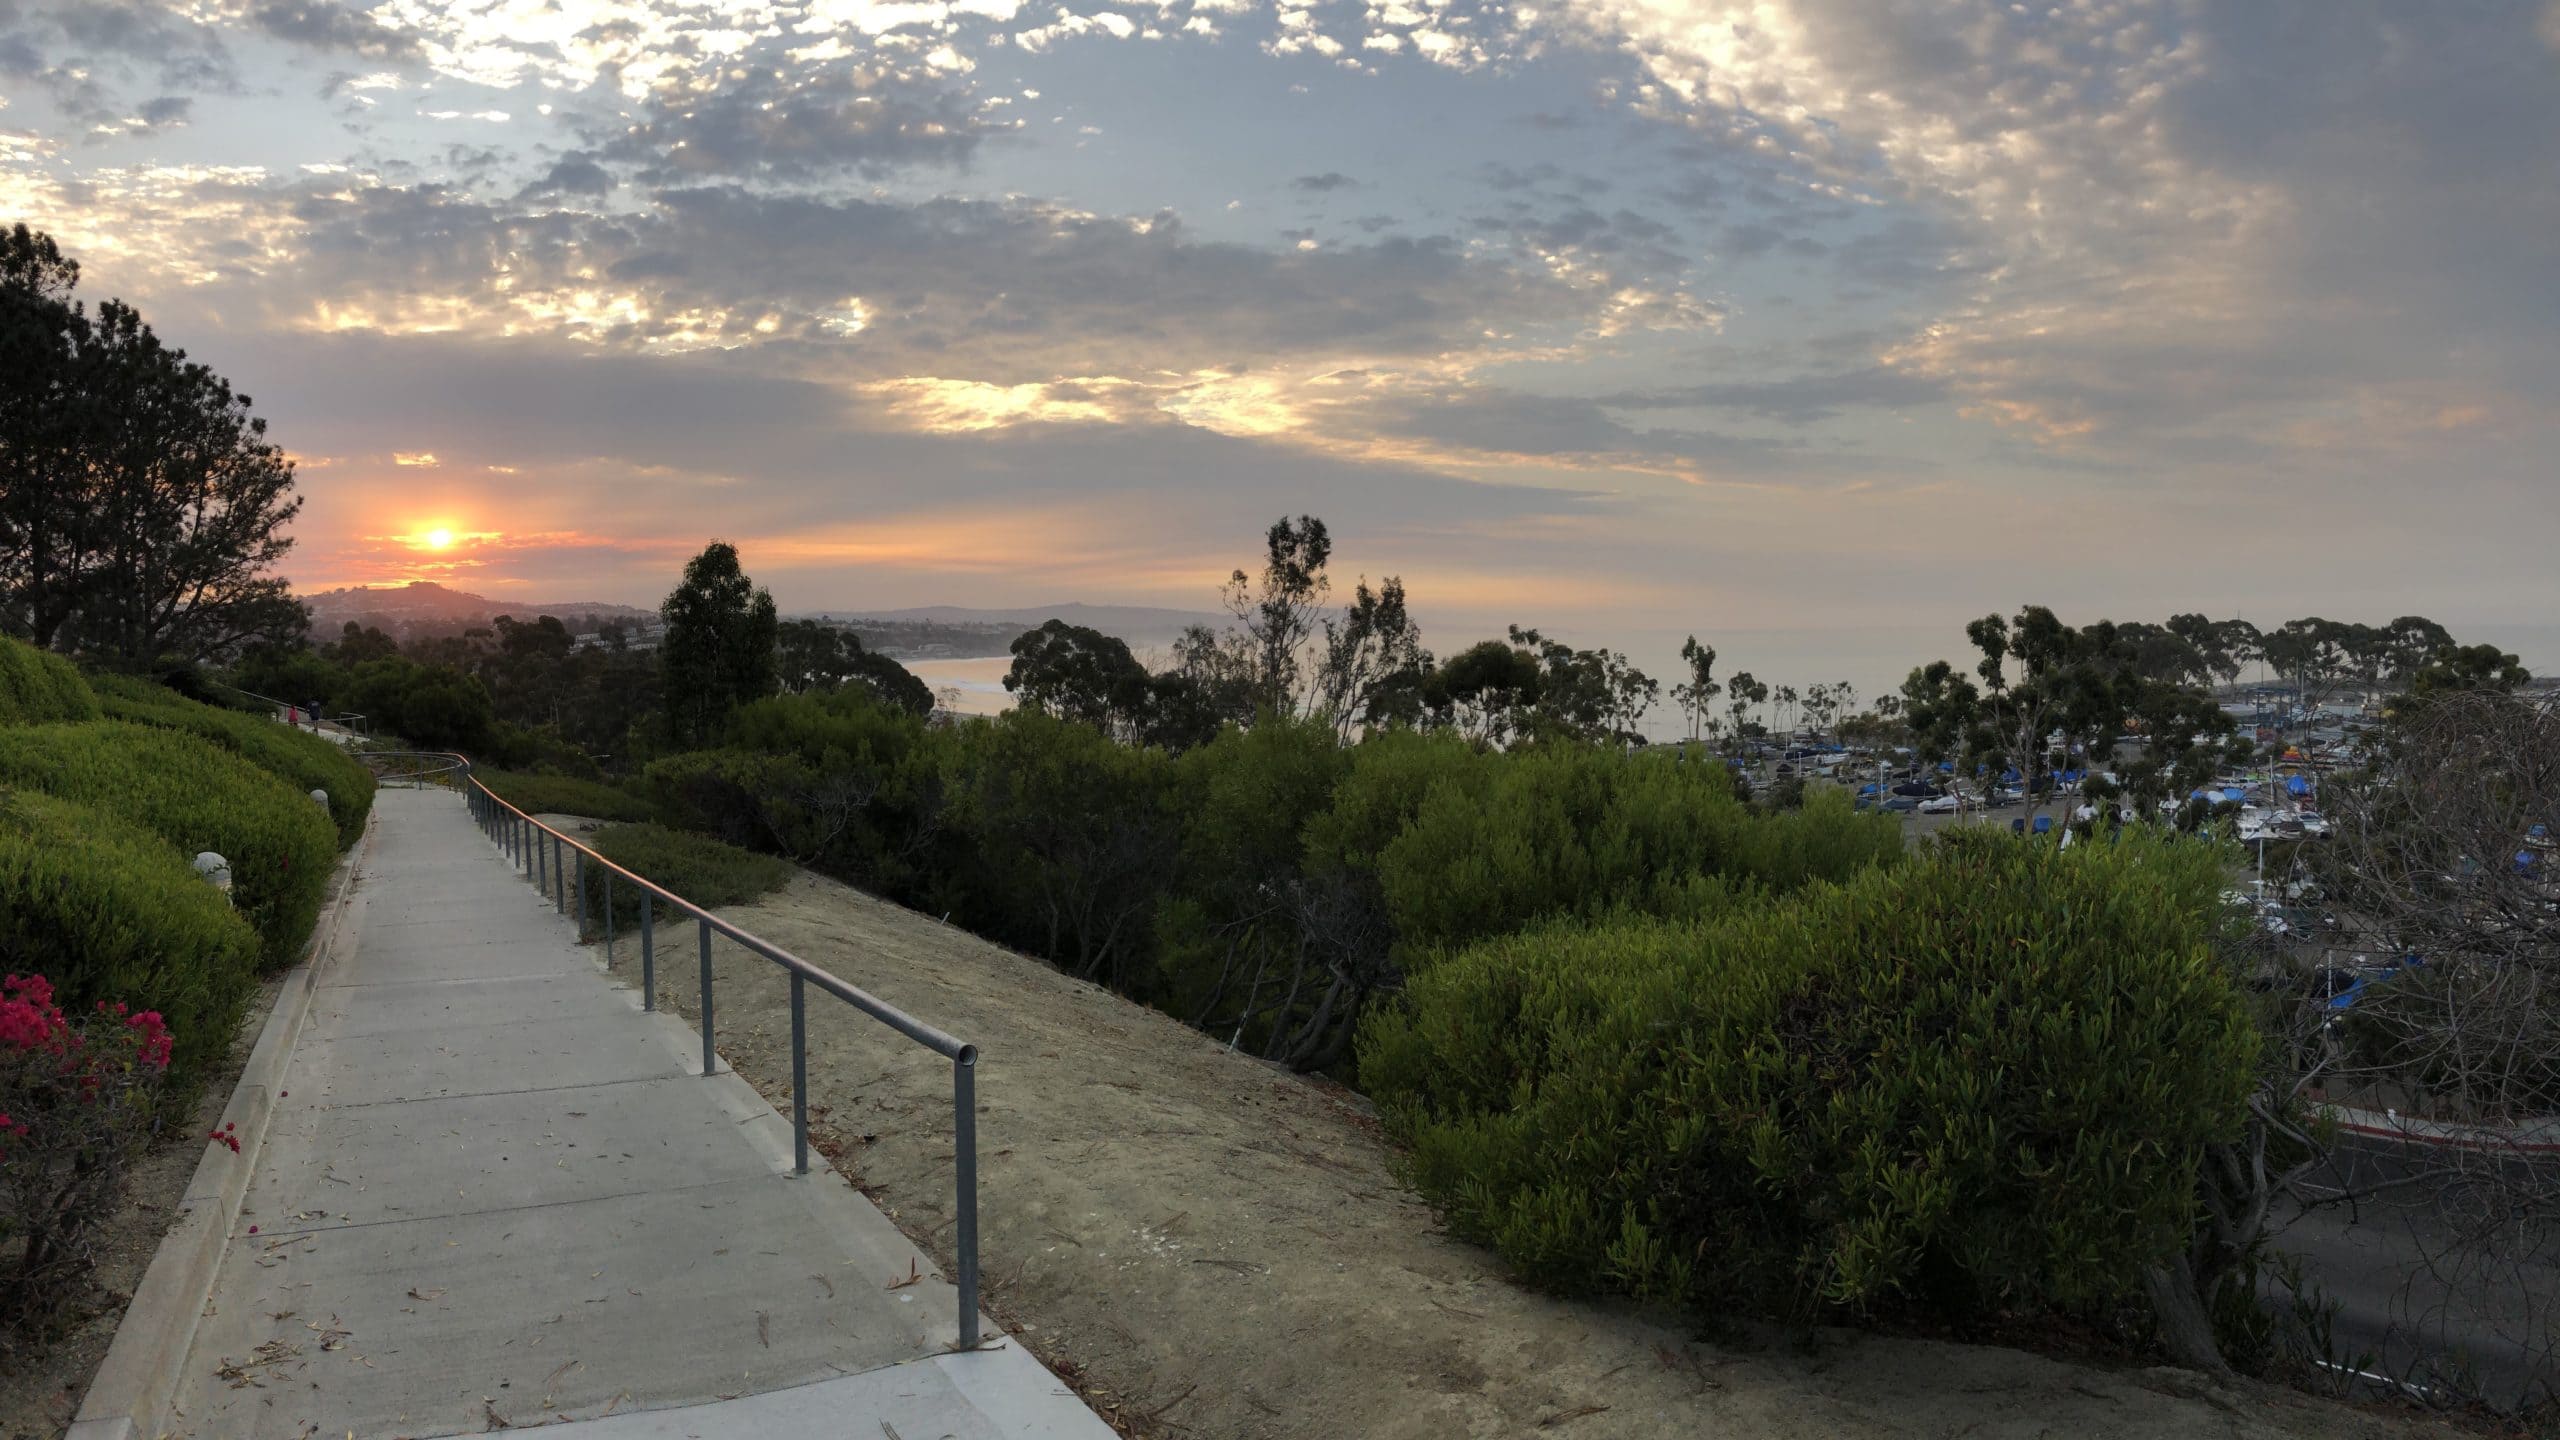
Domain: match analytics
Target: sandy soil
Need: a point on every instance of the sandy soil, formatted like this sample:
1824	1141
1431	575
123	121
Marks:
1211	1247
39	1396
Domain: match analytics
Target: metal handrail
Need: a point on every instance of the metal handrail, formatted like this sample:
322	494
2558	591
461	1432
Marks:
526	840
447	769
288	704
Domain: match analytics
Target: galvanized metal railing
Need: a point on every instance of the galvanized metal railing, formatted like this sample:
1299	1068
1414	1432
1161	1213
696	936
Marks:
559	868
349	721
420	768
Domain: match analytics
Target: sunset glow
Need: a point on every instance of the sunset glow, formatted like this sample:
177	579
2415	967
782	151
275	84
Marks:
1688	312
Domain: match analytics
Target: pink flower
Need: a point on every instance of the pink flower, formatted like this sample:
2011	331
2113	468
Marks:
33	989
154	1038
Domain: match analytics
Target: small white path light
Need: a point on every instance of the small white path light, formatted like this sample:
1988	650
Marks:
215	870
322	796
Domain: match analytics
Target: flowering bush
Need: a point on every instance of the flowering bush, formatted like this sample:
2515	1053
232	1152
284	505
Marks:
76	1103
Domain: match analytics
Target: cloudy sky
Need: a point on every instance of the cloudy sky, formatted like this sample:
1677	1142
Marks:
1612	315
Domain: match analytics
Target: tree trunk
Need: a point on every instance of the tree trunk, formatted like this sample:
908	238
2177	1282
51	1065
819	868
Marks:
2186	1329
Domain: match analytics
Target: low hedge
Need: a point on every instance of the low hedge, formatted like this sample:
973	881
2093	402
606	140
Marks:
196	796
303	761
703	870
1981	1079
38	687
563	795
109	911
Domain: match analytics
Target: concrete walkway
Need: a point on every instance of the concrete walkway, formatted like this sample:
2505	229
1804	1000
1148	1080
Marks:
495	1193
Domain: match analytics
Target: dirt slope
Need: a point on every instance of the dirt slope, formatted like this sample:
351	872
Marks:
1219	1249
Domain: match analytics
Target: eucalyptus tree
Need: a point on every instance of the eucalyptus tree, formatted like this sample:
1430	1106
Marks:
1941	709
1742	694
2410	642
1371	665
1277	609
1488	692
2223	648
1695	694
1078	673
812	655
2020	708
1592	694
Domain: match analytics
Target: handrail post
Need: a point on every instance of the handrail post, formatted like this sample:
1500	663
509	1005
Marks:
648	951
799	1074
522	837
964	1149
709	1061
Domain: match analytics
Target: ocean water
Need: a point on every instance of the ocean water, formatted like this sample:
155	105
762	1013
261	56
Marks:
980	682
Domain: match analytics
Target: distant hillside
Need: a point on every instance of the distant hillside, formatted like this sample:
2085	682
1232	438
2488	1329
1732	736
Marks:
425	606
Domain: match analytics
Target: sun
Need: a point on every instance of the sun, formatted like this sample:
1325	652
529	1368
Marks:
439	539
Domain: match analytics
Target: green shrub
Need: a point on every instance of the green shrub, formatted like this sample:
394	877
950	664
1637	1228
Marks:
109	911
197	797
703	870
705	792
1983	1077
292	675
1468	848
539	750
1069	840
1243	802
303	761
563	795
433	707
840	781
38	687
